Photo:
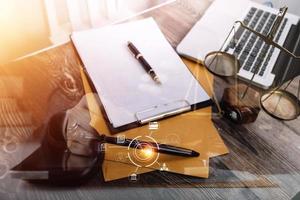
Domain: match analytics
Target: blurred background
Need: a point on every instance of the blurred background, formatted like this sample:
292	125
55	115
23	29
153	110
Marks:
29	25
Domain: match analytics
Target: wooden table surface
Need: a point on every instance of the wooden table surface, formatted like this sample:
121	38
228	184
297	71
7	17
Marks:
263	162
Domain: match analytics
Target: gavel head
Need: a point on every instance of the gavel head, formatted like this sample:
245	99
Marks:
66	131
69	157
81	138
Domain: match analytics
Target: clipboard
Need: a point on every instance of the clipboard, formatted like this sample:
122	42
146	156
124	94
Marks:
128	95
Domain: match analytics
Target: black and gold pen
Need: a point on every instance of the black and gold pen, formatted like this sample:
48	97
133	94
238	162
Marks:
156	147
143	62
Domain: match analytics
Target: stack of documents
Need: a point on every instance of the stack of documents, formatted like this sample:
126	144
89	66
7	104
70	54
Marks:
195	130
192	130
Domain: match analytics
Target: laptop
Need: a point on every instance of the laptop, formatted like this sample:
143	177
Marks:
210	32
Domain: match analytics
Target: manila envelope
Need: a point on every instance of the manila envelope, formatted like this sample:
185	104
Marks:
193	130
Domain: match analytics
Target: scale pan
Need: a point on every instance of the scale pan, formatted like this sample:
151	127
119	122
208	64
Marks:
280	104
221	64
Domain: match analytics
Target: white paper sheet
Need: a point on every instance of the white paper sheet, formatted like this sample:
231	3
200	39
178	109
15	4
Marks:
123	85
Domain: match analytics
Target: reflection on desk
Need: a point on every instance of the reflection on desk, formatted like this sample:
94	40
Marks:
261	154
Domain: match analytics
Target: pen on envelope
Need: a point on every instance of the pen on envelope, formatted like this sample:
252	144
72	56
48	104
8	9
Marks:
156	147
143	145
143	62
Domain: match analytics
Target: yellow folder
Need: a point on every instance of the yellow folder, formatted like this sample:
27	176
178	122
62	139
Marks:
193	130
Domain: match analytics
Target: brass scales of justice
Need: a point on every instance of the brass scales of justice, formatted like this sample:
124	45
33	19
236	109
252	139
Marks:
277	102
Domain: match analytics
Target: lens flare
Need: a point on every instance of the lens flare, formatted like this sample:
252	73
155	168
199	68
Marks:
144	154
147	152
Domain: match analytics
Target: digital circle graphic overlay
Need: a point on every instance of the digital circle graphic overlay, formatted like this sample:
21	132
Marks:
142	151
10	147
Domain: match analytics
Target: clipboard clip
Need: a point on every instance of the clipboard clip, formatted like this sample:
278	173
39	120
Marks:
162	111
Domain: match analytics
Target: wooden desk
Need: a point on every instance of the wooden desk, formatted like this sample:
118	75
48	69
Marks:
264	156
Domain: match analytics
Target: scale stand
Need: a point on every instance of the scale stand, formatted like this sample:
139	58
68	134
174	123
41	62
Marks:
278	103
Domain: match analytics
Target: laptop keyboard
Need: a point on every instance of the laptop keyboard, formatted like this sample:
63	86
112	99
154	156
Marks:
251	50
